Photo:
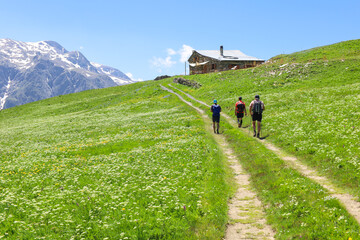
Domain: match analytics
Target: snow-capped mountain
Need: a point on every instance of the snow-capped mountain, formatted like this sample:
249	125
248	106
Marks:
31	71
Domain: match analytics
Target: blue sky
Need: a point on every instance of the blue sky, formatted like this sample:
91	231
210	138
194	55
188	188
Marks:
146	39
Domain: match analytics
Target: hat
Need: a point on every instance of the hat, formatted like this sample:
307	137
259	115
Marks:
215	101
240	98
257	96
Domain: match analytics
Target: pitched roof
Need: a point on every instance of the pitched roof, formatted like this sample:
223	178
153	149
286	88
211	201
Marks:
229	55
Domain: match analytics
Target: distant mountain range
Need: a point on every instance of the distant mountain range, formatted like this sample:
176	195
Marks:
31	71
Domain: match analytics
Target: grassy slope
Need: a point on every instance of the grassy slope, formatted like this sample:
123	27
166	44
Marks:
339	51
312	105
312	111
296	207
128	162
83	165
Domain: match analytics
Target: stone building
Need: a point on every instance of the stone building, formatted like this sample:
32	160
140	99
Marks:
206	61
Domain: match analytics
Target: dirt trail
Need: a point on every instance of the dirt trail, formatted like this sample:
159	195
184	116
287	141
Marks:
347	200
247	219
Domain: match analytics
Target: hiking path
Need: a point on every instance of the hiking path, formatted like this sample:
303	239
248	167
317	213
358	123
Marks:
347	200
246	215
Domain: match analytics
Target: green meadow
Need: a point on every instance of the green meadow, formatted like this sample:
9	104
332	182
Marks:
312	112
128	162
312	105
134	162
295	206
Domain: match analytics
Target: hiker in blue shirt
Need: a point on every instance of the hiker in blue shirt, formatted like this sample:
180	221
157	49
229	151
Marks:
216	109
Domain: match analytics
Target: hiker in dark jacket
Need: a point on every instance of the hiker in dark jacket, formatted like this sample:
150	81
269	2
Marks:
256	108
216	109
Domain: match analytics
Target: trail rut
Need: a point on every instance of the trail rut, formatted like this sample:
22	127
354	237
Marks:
246	216
347	200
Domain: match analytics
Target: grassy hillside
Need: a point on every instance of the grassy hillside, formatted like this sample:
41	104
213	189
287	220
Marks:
128	162
338	51
133	162
312	105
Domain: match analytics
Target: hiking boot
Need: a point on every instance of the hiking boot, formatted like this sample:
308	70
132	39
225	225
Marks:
254	133
258	135
239	125
218	131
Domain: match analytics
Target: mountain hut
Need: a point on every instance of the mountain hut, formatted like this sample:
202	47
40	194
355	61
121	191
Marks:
206	61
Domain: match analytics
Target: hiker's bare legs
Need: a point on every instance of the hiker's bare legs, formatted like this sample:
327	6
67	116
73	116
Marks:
239	122
216	130
254	128
259	128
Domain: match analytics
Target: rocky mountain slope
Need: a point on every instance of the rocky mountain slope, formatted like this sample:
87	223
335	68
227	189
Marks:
31	71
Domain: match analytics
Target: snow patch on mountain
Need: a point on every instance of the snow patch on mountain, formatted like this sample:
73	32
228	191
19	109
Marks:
23	54
45	69
3	99
119	77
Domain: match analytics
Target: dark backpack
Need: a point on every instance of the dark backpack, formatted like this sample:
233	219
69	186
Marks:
240	107
216	109
257	107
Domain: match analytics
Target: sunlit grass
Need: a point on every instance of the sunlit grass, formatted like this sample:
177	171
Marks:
311	107
295	206
312	112
123	163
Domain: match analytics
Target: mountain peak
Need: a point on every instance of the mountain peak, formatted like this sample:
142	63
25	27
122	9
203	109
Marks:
56	46
31	71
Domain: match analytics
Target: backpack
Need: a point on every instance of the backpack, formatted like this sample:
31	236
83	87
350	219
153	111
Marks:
216	109
240	107
257	107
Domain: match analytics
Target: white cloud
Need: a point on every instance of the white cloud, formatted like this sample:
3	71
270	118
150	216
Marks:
131	76
185	52
171	51
162	62
165	63
81	47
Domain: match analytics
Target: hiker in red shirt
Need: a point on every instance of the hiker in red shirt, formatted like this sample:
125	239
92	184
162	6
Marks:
239	111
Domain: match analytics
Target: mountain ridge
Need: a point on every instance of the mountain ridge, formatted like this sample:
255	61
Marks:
32	71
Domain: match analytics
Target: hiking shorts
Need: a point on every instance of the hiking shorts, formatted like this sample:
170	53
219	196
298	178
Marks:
257	117
240	115
216	118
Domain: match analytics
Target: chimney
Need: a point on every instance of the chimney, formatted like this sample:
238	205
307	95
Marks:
221	51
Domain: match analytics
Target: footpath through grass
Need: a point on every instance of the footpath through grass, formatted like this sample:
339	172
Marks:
312	105
129	162
296	207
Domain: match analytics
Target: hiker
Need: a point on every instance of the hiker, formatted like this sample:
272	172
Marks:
239	111
256	108
216	109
